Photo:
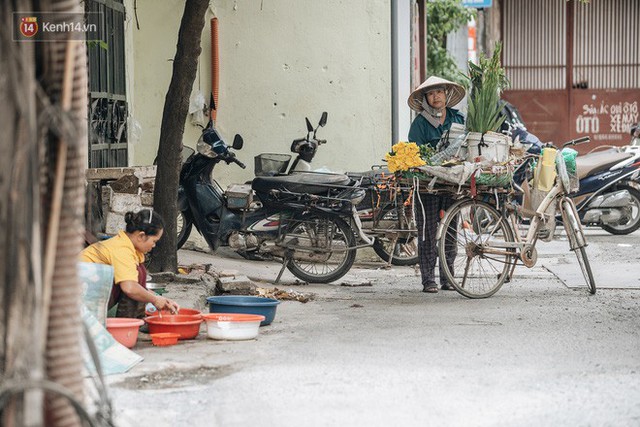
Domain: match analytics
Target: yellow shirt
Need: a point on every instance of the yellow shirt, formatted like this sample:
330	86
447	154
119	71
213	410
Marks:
118	252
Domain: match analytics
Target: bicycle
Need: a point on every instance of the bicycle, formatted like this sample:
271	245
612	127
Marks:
387	217
486	238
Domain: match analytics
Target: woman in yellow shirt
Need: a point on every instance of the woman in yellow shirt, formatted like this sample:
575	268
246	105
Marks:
125	252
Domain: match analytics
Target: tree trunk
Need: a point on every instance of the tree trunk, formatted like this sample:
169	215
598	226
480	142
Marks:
176	104
21	346
44	120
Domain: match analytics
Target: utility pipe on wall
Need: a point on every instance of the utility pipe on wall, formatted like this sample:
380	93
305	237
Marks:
215	68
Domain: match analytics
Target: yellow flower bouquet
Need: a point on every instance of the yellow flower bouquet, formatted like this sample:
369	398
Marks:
403	157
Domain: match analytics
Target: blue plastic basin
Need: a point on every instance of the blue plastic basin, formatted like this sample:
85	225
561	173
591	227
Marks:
244	304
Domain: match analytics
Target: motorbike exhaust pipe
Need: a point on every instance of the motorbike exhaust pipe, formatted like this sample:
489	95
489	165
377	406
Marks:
618	199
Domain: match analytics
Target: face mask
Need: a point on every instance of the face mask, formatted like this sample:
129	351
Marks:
429	109
431	114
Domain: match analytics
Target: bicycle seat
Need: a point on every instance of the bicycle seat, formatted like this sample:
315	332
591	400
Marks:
590	164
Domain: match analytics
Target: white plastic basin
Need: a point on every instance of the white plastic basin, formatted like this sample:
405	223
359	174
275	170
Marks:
232	326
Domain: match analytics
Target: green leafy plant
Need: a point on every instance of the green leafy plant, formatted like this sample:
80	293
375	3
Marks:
488	80
426	152
444	17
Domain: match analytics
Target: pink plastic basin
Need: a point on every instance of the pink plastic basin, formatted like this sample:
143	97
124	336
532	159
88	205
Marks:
124	330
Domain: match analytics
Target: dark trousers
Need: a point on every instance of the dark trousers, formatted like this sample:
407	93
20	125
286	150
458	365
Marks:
427	224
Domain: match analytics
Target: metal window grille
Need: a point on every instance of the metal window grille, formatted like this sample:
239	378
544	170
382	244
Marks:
108	109
534	53
607	45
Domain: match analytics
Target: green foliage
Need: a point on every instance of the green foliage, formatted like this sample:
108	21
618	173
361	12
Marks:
98	43
426	151
444	17
488	80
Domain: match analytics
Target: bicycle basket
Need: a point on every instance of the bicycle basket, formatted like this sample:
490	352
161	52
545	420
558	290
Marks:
270	164
569	159
569	178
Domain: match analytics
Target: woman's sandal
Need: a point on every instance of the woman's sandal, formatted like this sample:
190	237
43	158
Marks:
447	287
430	288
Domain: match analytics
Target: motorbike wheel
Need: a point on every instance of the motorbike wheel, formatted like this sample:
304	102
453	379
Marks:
321	236
634	222
184	225
405	251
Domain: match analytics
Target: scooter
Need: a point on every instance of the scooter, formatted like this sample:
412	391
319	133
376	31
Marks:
386	219
634	144
609	193
304	221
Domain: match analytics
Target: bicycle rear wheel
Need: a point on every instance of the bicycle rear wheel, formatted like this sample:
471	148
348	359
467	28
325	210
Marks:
577	241
397	219
474	239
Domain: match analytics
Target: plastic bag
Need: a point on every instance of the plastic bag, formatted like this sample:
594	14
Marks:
453	149
196	109
545	173
569	155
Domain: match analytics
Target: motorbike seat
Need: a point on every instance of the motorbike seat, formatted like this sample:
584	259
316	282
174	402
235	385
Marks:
300	182
593	163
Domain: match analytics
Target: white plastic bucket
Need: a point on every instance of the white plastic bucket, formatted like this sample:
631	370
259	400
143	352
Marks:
491	146
454	132
232	326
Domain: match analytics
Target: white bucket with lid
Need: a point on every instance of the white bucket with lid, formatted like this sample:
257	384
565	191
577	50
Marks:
490	146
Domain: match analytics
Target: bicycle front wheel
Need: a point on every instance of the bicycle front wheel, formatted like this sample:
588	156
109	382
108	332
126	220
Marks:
575	235
477	244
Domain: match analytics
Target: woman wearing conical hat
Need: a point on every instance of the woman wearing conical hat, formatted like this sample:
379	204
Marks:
433	99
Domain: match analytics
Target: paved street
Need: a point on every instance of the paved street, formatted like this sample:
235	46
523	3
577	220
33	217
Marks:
542	351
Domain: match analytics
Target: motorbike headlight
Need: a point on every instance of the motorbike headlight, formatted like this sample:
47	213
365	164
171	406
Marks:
357	196
205	149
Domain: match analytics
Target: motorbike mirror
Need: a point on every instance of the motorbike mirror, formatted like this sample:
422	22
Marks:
238	142
309	126
323	119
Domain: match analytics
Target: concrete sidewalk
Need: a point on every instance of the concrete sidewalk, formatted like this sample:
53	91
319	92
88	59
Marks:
366	269
380	352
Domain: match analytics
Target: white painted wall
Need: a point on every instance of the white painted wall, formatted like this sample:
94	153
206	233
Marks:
281	60
458	46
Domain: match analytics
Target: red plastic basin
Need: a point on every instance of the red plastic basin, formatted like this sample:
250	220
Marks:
164	339
124	330
183	311
187	326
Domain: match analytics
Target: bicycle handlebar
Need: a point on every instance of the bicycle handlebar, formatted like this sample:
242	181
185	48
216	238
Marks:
577	141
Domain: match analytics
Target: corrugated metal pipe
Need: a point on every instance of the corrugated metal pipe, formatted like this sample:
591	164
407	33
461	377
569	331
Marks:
215	67
66	84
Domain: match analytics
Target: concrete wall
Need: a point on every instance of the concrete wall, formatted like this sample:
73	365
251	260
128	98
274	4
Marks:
281	60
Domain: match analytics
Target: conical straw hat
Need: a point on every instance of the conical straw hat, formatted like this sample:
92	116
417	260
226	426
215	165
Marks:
455	92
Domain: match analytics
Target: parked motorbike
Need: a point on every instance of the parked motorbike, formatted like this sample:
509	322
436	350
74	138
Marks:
609	194
634	144
304	221
385	212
